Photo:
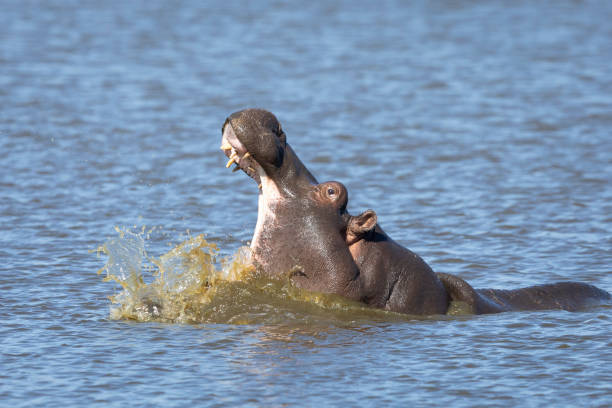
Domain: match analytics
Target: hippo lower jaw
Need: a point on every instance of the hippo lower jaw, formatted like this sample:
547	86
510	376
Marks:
269	197
242	158
268	200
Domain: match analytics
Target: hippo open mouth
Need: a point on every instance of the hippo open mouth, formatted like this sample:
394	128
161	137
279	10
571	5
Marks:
254	142
239	155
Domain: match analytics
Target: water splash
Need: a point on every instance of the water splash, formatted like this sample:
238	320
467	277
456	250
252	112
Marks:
191	284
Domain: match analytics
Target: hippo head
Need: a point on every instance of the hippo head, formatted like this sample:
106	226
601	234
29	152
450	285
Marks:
300	223
254	141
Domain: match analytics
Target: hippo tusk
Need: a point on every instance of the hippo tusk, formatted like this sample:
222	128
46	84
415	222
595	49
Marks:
232	160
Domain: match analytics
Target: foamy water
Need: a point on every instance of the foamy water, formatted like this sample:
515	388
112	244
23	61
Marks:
190	284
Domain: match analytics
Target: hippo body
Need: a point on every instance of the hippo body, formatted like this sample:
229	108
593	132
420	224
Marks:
304	232
394	278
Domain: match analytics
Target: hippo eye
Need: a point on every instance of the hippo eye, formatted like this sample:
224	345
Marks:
331	191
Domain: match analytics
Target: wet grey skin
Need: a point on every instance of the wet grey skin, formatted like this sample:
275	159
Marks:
305	233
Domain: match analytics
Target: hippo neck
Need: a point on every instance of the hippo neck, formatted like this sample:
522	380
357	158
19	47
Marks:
283	225
282	188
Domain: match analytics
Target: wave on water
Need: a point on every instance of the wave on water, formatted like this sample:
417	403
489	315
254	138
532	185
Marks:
191	284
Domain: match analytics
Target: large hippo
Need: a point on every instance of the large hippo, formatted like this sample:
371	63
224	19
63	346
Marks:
304	232
292	235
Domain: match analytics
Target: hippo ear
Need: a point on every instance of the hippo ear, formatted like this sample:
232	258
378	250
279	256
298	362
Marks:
362	223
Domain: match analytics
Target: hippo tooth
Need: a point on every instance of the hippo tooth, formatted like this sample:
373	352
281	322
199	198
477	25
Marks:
259	186
246	155
232	159
225	146
250	168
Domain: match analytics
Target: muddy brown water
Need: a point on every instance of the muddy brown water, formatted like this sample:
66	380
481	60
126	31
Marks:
479	131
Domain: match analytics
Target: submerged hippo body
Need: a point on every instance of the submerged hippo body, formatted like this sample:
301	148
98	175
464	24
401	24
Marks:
304	232
570	296
377	256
